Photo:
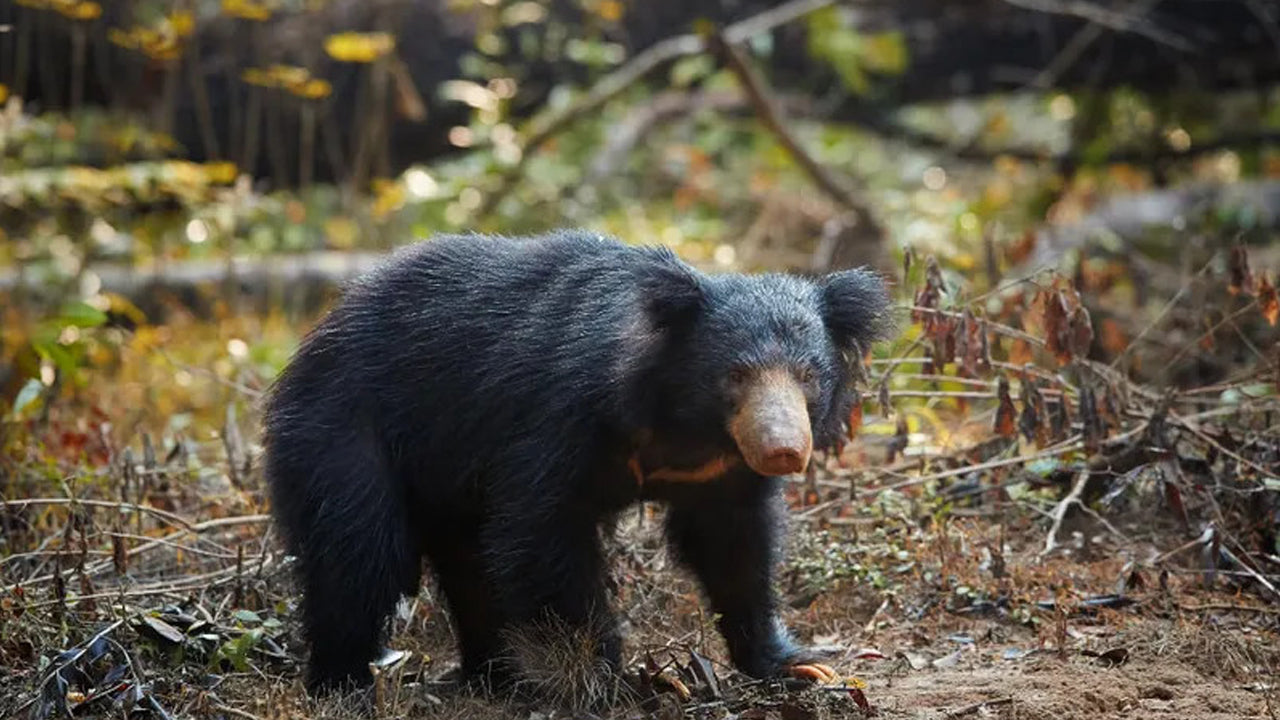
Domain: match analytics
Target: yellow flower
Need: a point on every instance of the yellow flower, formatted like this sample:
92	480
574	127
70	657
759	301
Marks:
247	10
220	172
183	23
81	10
313	89
288	75
359	47
389	196
259	77
4	93
124	38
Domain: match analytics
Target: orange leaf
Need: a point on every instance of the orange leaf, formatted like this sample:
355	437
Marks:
1268	301
855	417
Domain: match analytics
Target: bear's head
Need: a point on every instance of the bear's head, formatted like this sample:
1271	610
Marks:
760	365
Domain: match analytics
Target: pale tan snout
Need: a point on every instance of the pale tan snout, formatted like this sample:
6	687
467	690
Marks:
771	426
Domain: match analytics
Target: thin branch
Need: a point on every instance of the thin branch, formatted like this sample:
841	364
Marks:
771	116
1060	512
1110	19
617	82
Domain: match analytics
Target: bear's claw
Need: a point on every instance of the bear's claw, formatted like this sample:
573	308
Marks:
816	672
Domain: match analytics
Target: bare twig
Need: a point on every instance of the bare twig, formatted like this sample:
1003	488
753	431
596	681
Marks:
771	116
978	707
617	82
165	515
1060	512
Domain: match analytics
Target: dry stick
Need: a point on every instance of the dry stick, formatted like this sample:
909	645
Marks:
997	327
1060	512
1190	425
1168	307
1076	47
95	568
978	706
162	514
1212	329
770	115
75	657
617	82
1113	20
1249	570
1228	607
1070	445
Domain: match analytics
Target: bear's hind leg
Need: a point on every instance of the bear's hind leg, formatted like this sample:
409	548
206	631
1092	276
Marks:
345	518
459	573
549	569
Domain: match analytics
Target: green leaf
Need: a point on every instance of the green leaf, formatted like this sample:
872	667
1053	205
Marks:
61	358
81	314
27	396
246	616
885	53
691	69
237	651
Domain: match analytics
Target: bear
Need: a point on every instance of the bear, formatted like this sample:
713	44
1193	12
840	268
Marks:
489	404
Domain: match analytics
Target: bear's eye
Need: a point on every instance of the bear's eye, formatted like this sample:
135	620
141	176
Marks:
807	374
737	376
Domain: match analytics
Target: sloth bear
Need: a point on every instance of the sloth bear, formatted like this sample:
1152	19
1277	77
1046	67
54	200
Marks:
489	403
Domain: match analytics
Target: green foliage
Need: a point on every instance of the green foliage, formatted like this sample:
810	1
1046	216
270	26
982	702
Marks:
853	55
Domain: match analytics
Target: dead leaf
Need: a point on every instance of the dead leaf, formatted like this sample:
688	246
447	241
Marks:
1241	277
1268	301
159	629
1006	414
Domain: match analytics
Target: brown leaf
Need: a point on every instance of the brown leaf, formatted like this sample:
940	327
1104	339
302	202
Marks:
971	346
1081	338
1268	301
855	416
899	441
1033	421
1020	250
1241	280
860	699
1006	414
929	296
119	557
1112	336
1020	353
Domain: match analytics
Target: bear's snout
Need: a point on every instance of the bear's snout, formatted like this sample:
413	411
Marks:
771	425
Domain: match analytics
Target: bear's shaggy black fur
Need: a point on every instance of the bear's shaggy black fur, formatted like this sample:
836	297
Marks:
486	403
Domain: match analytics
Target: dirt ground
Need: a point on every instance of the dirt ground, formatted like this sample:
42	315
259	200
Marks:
959	618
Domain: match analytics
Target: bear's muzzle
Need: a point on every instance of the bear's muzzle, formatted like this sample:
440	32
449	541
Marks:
771	425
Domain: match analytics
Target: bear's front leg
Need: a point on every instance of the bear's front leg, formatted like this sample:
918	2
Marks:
730	540
547	567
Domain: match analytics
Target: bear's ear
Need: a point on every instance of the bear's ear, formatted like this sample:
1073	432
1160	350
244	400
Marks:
855	308
672	292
